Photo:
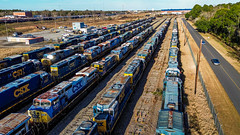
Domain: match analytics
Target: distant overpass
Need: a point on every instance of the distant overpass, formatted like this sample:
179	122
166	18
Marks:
175	11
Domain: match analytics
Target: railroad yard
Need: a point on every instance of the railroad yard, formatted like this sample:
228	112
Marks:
134	75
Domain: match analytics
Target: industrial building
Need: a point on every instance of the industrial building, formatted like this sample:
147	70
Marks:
23	14
174	11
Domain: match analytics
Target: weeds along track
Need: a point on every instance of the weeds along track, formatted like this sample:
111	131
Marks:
84	110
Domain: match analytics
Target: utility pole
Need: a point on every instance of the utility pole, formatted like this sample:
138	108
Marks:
6	28
197	68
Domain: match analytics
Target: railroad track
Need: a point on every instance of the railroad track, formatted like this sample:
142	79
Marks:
83	111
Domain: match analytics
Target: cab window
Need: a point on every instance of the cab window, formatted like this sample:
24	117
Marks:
45	104
36	103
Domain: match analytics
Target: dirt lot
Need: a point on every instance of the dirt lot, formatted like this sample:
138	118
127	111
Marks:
29	27
227	52
227	114
13	51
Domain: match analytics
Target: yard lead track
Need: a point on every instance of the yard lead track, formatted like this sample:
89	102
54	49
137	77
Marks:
83	111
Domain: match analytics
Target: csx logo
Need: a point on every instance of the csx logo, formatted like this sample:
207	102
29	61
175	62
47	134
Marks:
21	91
72	64
18	72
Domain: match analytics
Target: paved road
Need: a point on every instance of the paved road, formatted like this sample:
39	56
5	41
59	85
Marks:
226	74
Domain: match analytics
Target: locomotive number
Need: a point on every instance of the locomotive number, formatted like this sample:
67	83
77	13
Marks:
21	90
17	73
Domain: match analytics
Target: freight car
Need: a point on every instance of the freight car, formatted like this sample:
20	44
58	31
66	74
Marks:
170	119
19	70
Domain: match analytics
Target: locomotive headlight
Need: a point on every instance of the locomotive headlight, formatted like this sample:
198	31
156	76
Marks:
50	56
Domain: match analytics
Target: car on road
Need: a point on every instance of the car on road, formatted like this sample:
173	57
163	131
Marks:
215	62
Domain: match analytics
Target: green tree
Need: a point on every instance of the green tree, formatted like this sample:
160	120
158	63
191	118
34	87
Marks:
196	11
203	25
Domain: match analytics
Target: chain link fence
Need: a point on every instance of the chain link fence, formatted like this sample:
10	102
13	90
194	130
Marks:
210	104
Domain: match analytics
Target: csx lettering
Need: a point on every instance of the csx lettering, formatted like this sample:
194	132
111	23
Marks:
17	73
72	64
21	90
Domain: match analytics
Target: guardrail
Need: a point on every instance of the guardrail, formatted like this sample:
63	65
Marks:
210	104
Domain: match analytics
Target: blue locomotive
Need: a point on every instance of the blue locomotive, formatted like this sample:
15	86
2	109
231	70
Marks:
67	66
11	60
111	104
19	70
170	119
53	57
18	91
38	53
47	105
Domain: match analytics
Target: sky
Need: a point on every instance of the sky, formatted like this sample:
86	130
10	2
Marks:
105	4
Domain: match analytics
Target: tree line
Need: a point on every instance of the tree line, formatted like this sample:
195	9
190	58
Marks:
54	13
222	20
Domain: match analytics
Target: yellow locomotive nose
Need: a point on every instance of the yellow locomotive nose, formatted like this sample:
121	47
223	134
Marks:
39	116
46	62
26	57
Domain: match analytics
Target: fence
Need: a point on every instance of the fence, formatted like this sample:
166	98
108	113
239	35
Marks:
210	104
